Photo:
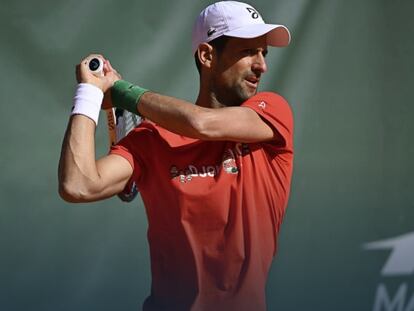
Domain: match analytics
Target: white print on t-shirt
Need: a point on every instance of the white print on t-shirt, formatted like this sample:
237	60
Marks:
262	105
228	164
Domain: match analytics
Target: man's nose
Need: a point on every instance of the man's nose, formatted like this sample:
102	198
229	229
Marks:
259	63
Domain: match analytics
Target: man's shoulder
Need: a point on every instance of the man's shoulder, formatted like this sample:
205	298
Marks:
269	102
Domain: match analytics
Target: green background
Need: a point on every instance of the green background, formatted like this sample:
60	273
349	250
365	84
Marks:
348	76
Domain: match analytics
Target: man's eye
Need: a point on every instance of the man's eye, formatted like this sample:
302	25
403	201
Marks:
249	52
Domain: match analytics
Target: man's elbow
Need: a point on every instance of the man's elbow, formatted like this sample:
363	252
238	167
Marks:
72	193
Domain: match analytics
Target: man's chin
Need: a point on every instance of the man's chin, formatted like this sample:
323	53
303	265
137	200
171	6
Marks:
247	94
236	97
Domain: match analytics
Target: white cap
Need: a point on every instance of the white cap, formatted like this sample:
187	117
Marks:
235	19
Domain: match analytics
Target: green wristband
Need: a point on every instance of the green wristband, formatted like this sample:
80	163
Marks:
125	95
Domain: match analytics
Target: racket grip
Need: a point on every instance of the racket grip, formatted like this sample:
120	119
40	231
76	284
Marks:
96	66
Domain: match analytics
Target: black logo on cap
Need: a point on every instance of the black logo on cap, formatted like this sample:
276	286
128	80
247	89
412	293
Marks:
211	31
253	12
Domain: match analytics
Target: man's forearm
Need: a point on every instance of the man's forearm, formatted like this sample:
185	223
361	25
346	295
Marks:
77	167
174	114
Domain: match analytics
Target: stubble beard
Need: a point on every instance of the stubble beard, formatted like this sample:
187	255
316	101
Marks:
234	95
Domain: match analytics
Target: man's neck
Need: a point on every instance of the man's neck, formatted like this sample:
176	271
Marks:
207	97
208	100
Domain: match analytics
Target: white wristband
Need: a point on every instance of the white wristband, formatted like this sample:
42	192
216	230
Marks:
88	101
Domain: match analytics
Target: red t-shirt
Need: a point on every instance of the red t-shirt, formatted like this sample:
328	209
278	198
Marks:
214	210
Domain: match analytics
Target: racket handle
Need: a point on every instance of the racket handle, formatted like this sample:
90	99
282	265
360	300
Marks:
110	116
96	66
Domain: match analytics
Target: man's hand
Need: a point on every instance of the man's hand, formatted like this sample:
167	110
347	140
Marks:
105	81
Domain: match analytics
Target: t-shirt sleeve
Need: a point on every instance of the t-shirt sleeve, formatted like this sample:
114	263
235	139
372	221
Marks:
274	110
128	150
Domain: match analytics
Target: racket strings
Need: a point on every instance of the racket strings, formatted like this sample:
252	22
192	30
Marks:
125	122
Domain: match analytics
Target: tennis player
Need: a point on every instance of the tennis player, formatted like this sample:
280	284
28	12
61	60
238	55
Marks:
214	176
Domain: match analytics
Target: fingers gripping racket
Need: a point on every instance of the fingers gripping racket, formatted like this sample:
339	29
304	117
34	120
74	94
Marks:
120	123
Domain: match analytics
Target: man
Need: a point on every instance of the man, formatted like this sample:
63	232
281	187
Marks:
214	176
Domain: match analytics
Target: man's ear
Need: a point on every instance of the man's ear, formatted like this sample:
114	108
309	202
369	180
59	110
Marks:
205	54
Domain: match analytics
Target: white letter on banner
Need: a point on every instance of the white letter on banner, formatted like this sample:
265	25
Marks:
383	301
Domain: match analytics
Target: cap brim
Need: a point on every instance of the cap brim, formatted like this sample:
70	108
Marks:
277	35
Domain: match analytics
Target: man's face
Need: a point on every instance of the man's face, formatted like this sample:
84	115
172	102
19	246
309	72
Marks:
237	70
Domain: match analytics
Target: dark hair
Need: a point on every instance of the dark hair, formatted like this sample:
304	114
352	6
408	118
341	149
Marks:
218	44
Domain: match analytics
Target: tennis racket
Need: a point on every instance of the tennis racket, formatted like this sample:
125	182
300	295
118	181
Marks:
120	123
